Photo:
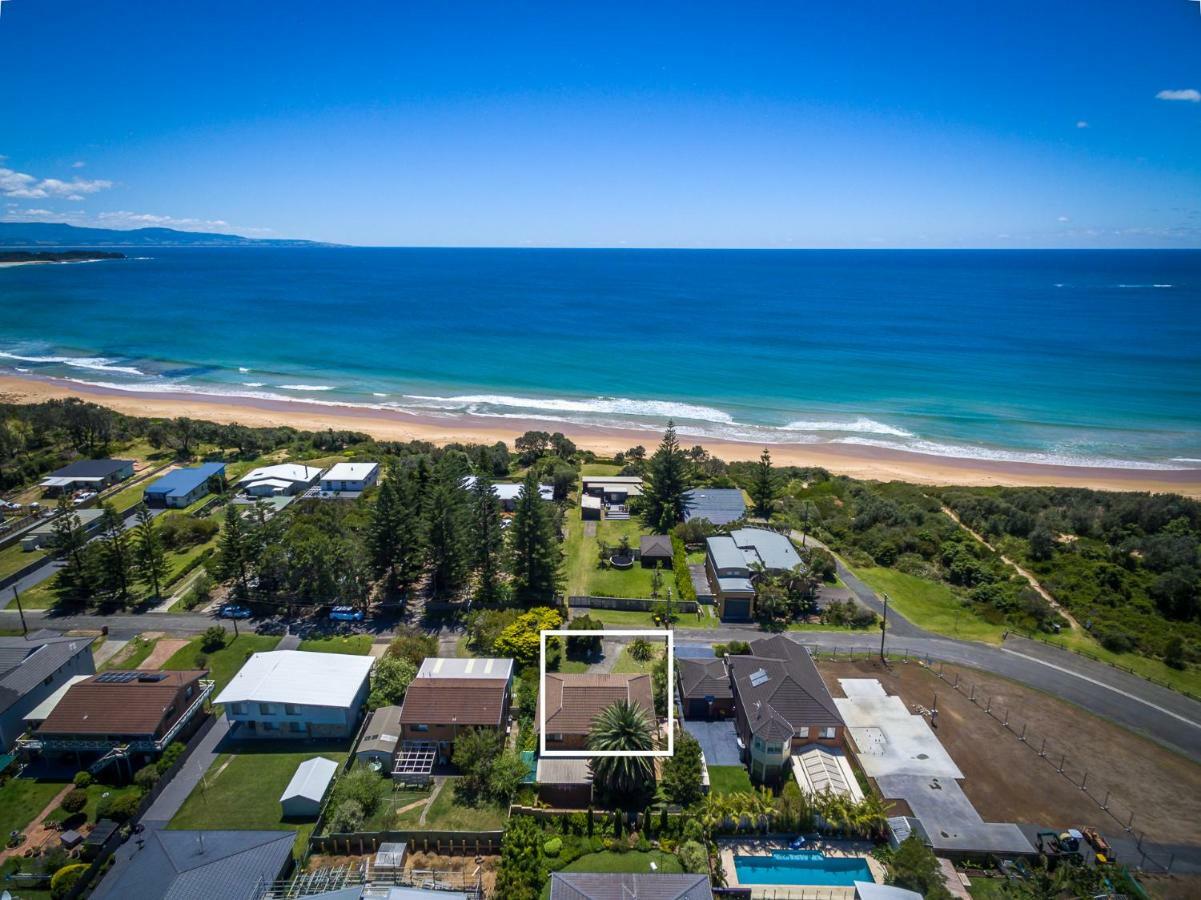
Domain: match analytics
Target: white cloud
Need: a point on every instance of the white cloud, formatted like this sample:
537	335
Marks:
78	164
27	187
1188	95
1082	124
1065	219
126	219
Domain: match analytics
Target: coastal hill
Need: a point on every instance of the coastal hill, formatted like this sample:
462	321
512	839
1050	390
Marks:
53	256
59	234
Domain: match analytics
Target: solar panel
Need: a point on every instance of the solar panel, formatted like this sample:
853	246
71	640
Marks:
151	676
759	677
116	677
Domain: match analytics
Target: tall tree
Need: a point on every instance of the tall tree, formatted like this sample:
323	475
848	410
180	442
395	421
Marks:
522	870
535	553
446	524
487	539
682	771
623	780
764	487
809	515
69	541
150	560
115	558
237	552
394	532
666	484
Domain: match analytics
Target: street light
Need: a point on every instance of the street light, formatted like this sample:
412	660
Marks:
883	626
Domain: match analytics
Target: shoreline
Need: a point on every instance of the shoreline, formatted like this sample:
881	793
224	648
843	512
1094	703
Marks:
856	461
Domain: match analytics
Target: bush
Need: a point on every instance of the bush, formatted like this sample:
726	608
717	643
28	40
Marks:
693	857
74	800
65	879
1117	641
346	818
146	777
552	847
119	809
199	594
641	649
167	760
213	639
734	648
82	779
362	786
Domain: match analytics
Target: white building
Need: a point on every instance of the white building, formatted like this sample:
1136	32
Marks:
349	478
304	793
294	694
285	478
508	492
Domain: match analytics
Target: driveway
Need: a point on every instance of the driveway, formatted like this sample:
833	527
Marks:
717	740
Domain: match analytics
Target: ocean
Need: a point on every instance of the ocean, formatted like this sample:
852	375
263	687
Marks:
1081	358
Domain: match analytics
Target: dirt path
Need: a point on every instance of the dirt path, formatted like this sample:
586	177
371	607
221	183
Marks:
36	833
163	651
1029	576
439	787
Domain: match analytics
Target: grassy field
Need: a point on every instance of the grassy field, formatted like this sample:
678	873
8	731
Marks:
13	559
21	799
930	605
350	644
242	789
600	469
222	664
623	618
627	665
1187	680
447	814
729	780
584	574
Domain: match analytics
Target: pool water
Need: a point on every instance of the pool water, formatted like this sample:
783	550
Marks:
801	867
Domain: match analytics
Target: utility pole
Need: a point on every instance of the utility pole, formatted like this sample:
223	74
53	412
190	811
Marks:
17	597
883	627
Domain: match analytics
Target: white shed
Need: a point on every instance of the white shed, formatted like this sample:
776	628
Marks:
302	798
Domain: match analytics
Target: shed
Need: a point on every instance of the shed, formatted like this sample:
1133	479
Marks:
304	793
380	738
655	549
590	508
391	856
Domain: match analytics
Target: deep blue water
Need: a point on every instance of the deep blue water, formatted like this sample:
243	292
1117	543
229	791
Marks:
1082	357
801	867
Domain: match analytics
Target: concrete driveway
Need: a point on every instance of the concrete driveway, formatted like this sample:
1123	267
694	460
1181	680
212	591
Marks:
717	740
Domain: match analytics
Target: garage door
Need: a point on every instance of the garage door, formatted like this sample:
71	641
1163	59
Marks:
737	609
697	709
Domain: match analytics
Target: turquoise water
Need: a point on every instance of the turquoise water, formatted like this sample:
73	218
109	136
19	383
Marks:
1090	358
801	867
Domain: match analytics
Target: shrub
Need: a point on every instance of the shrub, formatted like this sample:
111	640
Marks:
74	800
362	786
213	639
1117	642
693	830
65	879
552	847
347	817
734	648
169	757
641	650
119	809
693	857
199	594
82	779
146	777
644	846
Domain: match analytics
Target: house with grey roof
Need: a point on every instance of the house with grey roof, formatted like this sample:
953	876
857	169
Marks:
623	886
32	669
704	688
87	474
718	506
732	559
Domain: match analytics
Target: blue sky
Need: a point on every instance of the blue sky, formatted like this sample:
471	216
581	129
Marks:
813	124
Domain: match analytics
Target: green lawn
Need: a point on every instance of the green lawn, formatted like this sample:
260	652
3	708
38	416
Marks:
242	789
632	861
351	644
447	814
729	780
13	559
96	793
132	654
21	799
585	576
627	665
623	618
930	605
600	469
223	664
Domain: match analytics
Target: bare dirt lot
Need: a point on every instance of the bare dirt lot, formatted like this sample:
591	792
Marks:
1006	779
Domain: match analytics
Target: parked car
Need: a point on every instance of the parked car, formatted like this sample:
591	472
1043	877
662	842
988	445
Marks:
345	614
234	611
8	504
83	498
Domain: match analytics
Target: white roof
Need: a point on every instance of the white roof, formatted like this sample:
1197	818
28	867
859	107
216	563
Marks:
450	667
288	472
590	502
42	711
296	676
869	890
506	490
819	769
267	482
350	471
311	780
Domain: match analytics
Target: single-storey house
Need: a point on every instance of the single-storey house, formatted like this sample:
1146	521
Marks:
624	886
302	797
449	695
349	479
572	703
781	705
91	519
508	492
590	508
731	560
273	481
34	668
183	487
613	488
296	694
380	739
704	688
720	506
656	550
128	715
87	474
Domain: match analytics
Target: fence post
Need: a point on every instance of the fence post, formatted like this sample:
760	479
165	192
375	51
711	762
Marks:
1042	751
1105	805
1084	782
972	696
1023	736
1062	759
1130	823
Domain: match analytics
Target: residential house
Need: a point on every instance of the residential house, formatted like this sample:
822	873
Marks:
130	715
656	550
590	508
34	668
625	886
781	705
183	487
302	797
87	474
616	489
719	506
42	536
285	479
705	690
572	703
381	736
508	493
198	865
296	694
348	480
731	560
449	695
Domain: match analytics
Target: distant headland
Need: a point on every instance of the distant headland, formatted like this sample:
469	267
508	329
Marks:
59	234
32	257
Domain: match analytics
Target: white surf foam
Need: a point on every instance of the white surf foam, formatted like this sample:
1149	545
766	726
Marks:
252	384
94	363
993	454
306	387
861	425
243	370
660	409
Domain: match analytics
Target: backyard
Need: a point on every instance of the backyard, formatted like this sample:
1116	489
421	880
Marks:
729	780
633	862
585	575
222	664
446	813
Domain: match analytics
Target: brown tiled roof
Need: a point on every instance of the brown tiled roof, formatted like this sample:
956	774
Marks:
779	683
95	706
454	701
574	701
700	678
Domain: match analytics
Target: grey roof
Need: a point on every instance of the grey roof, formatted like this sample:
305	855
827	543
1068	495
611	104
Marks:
725	552
719	505
26	663
233	865
382	732
700	678
619	886
91	468
735	585
311	780
655	545
778	684
563	770
389	892
774	550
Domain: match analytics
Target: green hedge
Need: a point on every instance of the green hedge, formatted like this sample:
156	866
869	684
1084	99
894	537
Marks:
679	562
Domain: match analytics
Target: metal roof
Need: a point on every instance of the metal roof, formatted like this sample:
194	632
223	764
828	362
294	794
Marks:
475	667
43	709
719	505
26	663
725	553
288	472
348	471
182	482
774	550
312	779
92	468
623	886
300	677
563	770
382	733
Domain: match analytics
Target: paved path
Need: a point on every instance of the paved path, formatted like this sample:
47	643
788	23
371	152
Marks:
167	804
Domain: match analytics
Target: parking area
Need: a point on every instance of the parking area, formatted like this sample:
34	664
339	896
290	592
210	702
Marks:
717	740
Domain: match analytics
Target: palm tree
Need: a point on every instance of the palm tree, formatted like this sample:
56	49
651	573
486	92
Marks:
626	779
715	810
872	814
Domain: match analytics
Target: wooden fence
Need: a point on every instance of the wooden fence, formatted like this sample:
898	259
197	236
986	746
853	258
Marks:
448	843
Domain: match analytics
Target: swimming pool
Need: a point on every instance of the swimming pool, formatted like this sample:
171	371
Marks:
801	867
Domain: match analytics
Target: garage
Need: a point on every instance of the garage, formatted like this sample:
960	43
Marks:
736	609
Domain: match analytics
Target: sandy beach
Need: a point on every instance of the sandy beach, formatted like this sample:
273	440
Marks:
845	459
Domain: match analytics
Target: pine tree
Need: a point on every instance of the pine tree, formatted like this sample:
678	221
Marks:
446	523
522	871
69	541
764	488
115	560
237	552
487	539
665	487
535	552
394	533
150	561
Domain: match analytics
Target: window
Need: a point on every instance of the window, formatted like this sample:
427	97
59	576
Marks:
557	736
268	726
187	695
238	709
420	727
803	732
296	727
290	709
773	748
758	744
265	709
828	732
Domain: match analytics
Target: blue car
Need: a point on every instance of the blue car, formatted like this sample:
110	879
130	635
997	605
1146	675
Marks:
234	611
345	614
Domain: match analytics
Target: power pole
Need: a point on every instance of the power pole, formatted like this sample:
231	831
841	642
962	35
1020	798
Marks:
17	597
883	627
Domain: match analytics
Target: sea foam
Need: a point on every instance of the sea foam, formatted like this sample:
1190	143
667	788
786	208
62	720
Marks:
93	363
478	404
